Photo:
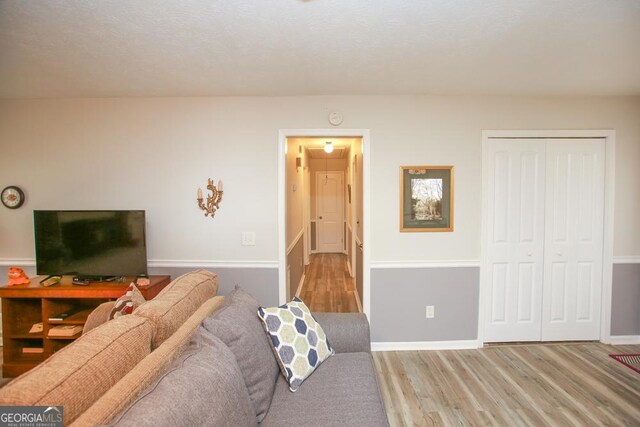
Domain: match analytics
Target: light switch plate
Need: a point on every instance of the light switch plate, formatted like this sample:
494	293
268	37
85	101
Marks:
248	238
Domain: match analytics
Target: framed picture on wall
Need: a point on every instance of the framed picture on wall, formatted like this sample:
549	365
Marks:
426	198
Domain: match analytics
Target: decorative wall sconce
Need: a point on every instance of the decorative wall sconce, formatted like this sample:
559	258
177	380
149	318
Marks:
213	200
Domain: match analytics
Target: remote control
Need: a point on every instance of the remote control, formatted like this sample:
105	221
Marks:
80	282
50	281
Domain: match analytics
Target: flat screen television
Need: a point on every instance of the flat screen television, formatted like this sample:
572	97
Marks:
90	244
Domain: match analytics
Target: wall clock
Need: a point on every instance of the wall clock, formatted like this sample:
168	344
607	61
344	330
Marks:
12	197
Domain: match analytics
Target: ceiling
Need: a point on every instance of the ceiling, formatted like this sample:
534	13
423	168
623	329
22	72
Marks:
113	48
315	146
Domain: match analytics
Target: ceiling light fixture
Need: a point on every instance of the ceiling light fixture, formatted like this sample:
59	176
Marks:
328	147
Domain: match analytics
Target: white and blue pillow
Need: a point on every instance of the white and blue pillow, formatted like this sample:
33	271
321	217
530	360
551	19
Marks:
299	342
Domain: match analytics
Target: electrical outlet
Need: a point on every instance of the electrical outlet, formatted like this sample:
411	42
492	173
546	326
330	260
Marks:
248	238
430	312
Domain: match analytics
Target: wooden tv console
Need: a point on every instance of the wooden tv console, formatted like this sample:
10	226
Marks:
25	305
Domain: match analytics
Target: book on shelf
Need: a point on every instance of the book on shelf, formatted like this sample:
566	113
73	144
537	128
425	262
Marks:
65	330
32	350
62	316
36	328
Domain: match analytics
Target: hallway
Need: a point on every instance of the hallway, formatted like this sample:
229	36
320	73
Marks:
327	285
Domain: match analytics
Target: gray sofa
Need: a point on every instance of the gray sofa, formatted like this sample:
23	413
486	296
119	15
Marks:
228	376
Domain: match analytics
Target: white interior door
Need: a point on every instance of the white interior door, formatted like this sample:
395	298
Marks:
514	259
573	240
330	211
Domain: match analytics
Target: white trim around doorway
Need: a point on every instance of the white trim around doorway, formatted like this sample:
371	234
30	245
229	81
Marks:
609	137
283	134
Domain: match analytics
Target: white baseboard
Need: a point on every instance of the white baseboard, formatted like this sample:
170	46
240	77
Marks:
624	339
299	290
626	259
425	345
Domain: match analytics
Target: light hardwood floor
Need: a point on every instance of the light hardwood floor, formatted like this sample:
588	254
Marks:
572	384
327	285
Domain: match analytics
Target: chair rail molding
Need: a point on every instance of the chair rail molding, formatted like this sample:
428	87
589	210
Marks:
171	263
426	264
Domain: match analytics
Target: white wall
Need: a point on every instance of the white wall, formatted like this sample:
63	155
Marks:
153	154
295	177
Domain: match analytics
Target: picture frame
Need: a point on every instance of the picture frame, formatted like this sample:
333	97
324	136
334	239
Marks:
426	198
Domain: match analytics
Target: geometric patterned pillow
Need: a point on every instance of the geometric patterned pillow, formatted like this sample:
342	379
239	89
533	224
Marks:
128	302
299	342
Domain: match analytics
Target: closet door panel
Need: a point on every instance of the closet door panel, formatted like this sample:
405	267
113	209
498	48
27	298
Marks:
516	235
573	239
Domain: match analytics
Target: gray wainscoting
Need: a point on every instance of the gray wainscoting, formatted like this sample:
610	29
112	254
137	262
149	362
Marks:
295	260
625	300
399	297
262	283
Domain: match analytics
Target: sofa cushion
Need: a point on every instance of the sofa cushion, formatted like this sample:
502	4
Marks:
98	316
117	398
179	300
343	391
203	388
236	323
79	374
299	342
128	302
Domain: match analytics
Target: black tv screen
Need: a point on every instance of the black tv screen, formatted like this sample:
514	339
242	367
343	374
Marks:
90	243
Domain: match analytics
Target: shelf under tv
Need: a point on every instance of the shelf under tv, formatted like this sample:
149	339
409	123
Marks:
25	305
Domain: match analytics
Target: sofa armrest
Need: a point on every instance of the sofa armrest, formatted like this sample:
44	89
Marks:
347	332
98	316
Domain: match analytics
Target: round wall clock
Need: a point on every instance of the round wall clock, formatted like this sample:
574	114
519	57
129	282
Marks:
12	197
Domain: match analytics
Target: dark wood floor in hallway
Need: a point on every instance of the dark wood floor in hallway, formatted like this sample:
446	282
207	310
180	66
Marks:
327	286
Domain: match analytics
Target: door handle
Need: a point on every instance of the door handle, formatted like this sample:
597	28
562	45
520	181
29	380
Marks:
360	245
529	253
559	253
319	217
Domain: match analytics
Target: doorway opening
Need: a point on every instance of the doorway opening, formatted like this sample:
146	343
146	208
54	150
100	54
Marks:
322	217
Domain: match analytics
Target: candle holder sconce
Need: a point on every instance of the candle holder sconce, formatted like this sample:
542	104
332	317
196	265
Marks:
213	200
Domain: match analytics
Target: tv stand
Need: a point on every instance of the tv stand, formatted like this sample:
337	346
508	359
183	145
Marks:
25	305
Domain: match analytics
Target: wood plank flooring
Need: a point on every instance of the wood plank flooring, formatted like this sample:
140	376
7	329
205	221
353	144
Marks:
327	285
569	384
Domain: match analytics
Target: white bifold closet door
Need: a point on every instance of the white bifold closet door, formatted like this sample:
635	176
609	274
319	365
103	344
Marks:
543	266
574	235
